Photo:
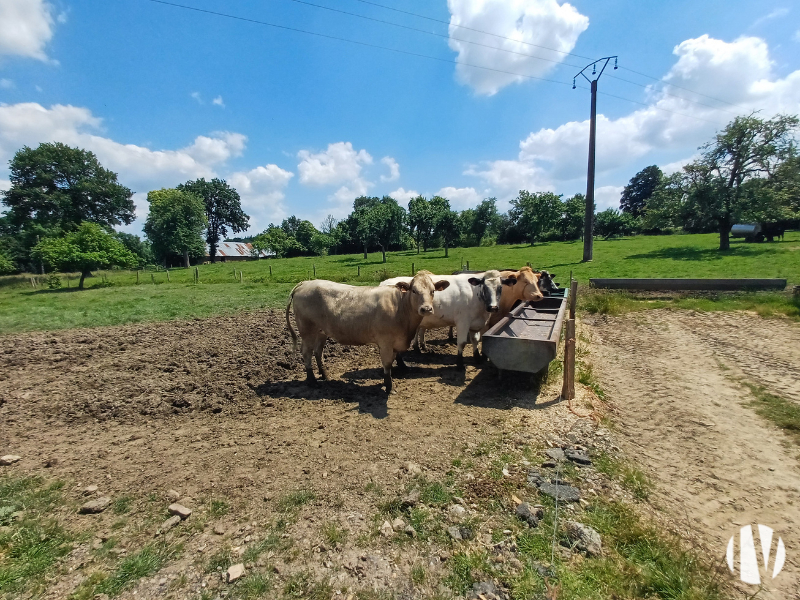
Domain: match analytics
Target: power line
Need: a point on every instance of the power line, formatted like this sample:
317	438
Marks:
399	51
502	37
340	39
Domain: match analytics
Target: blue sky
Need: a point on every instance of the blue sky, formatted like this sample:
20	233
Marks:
303	124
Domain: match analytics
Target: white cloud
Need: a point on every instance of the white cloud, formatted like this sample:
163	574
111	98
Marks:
218	101
738	72
6	84
196	96
540	22
338	164
141	168
262	193
26	26
394	169
460	198
607	196
403	195
775	14
796	36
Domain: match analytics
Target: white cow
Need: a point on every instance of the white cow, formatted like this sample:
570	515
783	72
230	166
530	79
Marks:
466	304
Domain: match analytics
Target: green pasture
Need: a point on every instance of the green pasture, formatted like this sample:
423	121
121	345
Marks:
114	297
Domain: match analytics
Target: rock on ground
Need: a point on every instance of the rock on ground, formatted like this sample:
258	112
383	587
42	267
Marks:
9	459
529	514
94	507
585	538
234	572
180	510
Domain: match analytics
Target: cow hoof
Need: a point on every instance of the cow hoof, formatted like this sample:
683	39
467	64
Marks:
461	367
479	358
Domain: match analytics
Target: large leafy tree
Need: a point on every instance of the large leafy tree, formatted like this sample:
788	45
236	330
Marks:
420	221
639	189
223	208
573	213
448	227
275	239
87	248
483	219
749	148
536	213
175	224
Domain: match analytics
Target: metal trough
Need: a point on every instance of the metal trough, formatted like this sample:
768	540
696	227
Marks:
527	339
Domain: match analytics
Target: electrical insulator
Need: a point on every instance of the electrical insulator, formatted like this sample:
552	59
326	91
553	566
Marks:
594	71
615	64
573	83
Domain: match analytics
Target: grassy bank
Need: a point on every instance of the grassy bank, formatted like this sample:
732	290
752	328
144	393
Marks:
115	297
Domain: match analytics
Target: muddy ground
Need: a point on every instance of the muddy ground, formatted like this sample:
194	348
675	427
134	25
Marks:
217	410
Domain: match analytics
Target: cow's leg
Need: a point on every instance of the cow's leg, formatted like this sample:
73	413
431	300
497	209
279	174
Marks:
402	367
461	340
307	348
450	337
476	336
319	346
421	339
387	358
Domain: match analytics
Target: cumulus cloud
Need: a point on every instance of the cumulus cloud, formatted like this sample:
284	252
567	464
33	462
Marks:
460	198
196	96
738	72
394	169
607	196
26	26
541	22
262	191
338	164
218	101
140	168
403	195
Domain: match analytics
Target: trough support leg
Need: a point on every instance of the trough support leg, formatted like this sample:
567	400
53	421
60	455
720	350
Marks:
568	389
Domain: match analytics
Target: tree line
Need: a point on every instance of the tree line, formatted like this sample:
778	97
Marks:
63	206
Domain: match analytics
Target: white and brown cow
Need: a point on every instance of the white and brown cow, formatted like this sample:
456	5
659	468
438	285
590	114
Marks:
466	304
526	289
357	316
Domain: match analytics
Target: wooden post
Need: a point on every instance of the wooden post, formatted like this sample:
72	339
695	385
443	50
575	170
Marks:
315	270
270	270
467	265
196	275
241	276
573	298
137	276
33	285
234	272
568	389
359	270
153	278
168	279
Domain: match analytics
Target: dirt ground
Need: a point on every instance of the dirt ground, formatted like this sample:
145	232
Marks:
674	379
219	409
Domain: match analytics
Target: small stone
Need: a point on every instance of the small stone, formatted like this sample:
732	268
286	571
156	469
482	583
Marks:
413	468
94	507
9	459
386	529
173	496
170	523
467	533
457	512
455	532
410	531
560	492
585	538
89	490
549	465
578	457
515	563
50	463
530	515
398	524
485	590
534	477
411	499
179	510
219	529
557	454
234	572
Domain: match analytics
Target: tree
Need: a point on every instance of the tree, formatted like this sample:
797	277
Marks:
87	248
304	234
386	221
448	226
175	224
639	189
536	213
363	224
223	208
137	246
57	186
420	221
573	213
6	264
484	218
275	239
747	149
320	244
610	223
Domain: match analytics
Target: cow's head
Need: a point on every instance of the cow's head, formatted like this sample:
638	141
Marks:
546	283
420	291
490	286
528	285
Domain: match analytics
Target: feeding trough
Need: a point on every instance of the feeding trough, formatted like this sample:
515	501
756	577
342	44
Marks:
527	339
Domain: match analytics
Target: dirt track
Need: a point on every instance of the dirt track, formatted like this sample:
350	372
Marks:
673	377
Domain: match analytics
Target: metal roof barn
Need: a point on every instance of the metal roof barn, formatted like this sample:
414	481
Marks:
238	251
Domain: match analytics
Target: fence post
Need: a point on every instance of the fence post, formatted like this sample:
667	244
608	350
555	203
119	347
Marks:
137	276
196	275
241	276
573	297
168	279
359	270
270	270
153	278
568	389
467	265
315	270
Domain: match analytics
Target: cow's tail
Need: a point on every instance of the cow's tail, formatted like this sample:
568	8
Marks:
288	321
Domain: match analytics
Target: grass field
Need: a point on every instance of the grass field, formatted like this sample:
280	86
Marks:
115	298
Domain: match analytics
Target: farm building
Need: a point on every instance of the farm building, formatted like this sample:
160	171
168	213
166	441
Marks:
228	251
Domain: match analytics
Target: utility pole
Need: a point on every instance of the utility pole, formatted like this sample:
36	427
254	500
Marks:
588	235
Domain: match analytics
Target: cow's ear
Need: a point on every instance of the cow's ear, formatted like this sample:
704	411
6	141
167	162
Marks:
402	286
441	285
510	280
475	281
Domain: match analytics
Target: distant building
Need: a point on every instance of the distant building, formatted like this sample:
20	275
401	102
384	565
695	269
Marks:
228	251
